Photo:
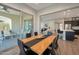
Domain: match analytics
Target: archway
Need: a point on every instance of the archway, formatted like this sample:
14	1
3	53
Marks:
5	23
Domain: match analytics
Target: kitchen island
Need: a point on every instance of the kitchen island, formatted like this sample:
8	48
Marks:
68	35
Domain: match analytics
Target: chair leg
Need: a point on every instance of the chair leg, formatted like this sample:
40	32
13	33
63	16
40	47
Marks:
52	52
57	51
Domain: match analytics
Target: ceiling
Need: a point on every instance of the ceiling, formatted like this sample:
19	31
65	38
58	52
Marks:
39	6
43	6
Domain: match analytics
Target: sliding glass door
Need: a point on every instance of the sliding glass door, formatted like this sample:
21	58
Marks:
28	23
13	24
27	26
9	27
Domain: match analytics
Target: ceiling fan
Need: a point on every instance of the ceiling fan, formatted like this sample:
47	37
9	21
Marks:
4	8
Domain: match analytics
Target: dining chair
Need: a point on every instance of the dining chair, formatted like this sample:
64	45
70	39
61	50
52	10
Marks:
52	51
14	35
30	52
23	50
1	35
46	52
60	33
28	35
7	35
35	33
54	46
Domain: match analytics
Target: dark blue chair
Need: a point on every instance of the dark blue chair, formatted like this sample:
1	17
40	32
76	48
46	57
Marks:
35	33
54	46
22	48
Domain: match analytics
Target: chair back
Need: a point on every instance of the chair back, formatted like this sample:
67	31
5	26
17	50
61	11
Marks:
0	34
21	46
55	44
59	31
57	38
35	33
28	35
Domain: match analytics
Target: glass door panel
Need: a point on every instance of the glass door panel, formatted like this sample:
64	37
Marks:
27	26
27	23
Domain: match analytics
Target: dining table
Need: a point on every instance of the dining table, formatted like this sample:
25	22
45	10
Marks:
39	43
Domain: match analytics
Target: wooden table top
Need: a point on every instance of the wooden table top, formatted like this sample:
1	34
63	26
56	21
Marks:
41	46
31	38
